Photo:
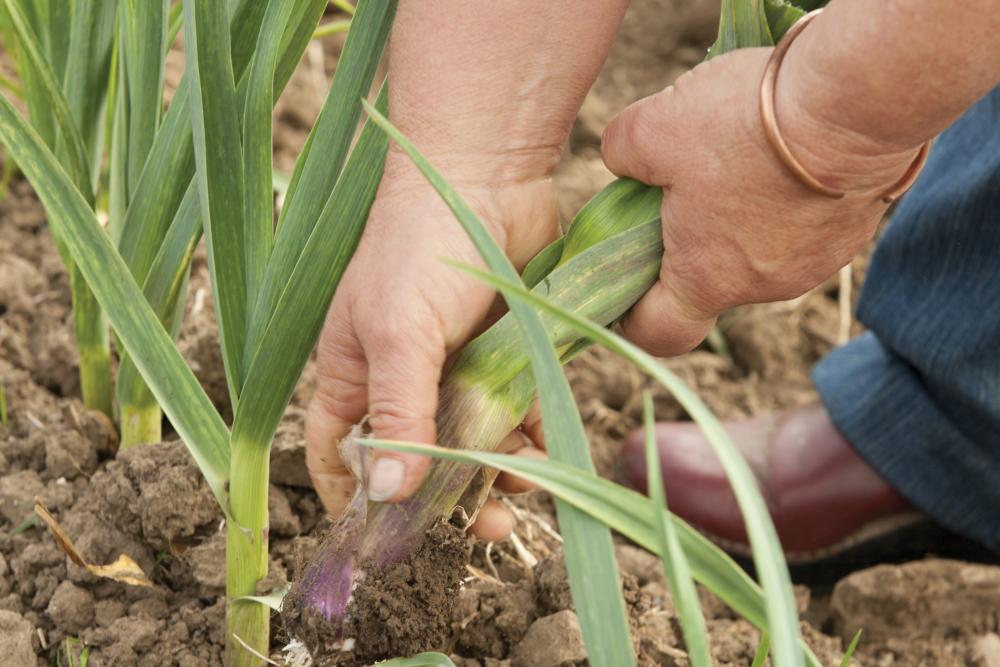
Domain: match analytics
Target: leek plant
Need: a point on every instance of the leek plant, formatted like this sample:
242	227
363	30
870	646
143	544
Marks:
63	55
203	168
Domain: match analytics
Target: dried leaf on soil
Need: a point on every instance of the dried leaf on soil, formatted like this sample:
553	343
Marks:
124	569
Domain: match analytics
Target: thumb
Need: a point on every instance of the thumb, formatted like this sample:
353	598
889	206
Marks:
404	373
637	142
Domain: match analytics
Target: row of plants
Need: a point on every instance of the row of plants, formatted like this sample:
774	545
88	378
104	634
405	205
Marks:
131	190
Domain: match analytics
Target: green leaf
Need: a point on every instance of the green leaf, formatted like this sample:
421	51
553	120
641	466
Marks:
219	157
768	556
542	263
742	23
164	289
29	42
590	557
851	648
763	649
316	170
144	31
272	600
292	332
781	15
87	72
675	564
629	513
174	385
258	146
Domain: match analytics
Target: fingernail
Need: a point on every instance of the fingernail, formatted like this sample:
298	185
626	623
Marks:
385	479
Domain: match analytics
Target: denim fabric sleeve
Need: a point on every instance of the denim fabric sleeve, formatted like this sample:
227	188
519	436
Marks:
919	394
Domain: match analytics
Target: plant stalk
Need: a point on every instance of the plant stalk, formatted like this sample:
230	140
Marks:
486	395
246	554
92	341
141	423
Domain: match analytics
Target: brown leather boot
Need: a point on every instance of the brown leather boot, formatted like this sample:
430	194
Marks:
822	495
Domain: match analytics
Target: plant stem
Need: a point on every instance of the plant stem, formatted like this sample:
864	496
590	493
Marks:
141	423
246	554
92	343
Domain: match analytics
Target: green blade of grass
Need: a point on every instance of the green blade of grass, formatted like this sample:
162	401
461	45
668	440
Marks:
258	146
589	552
768	556
144	31
851	648
322	158
626	511
219	158
172	382
675	564
53	98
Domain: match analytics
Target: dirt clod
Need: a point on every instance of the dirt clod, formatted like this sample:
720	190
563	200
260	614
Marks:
16	635
71	608
551	641
918	600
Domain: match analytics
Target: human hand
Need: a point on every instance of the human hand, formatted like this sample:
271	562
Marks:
397	316
738	227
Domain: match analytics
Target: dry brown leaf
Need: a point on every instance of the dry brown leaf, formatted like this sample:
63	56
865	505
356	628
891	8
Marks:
124	569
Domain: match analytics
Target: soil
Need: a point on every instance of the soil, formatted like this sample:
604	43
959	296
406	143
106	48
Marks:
508	603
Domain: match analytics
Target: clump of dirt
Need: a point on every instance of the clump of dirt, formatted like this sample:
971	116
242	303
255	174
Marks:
403	609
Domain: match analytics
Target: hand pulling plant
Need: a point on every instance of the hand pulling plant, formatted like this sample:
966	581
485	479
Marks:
582	282
205	167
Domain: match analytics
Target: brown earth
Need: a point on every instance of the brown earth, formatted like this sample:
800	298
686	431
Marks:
512	606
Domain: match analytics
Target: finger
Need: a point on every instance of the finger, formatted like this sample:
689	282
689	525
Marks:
532	425
338	402
405	363
664	323
636	142
510	483
494	523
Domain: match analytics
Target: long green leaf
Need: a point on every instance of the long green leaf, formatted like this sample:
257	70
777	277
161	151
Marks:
219	157
323	157
33	90
144	24
29	42
87	73
626	511
675	564
298	319
259	193
170	164
768	556
172	382
590	557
